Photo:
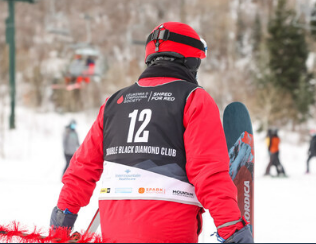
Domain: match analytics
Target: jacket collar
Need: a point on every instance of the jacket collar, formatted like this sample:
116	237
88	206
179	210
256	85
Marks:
168	69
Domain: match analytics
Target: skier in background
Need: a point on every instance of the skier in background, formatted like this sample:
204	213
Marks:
70	142
90	64
268	138
89	70
161	145
274	142
312	149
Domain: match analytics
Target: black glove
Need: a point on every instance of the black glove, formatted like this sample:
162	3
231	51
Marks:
242	236
61	218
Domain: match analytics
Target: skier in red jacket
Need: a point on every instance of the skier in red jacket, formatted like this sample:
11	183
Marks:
162	150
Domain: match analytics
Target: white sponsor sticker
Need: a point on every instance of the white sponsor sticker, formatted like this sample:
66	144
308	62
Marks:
128	182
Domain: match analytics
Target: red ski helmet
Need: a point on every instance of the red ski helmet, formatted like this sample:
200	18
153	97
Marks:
174	39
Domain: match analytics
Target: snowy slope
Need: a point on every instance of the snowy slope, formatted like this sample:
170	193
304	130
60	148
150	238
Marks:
31	172
30	175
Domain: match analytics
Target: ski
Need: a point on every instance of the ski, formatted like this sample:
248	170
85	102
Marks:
94	224
240	145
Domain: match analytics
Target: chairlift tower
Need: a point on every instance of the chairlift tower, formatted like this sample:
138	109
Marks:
10	39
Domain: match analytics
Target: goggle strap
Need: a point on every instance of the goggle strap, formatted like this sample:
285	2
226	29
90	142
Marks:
175	37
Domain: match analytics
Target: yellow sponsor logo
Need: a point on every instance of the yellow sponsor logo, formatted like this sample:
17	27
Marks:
105	190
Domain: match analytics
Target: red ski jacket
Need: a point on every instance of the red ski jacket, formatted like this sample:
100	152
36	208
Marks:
158	220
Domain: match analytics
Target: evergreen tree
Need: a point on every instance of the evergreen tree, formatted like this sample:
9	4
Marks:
287	60
257	34
240	29
313	23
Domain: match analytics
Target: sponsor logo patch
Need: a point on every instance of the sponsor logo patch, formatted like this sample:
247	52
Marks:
141	190
120	100
124	190
182	193
150	190
127	176
105	190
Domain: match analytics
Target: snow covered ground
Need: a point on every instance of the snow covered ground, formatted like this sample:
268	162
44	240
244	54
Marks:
31	171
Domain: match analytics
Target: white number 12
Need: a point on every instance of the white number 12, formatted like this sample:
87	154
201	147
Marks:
145	115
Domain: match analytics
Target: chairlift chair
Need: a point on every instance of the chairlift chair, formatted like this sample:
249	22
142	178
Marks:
86	66
56	23
86	62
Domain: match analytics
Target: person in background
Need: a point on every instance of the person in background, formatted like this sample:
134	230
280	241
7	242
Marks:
268	139
76	69
90	64
312	149
70	142
274	142
89	69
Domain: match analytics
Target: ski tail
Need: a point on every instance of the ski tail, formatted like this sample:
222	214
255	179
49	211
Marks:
240	146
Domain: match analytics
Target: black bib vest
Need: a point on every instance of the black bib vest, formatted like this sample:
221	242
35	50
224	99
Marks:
144	154
143	128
